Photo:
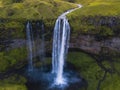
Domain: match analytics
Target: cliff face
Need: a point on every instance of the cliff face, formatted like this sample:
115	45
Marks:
103	36
101	26
96	34
89	44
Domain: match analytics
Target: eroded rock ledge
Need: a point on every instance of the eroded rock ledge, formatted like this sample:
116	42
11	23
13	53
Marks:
89	43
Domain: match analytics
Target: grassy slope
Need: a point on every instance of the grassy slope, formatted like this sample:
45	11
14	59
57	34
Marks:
15	82
16	14
40	8
33	9
100	7
13	87
93	8
88	69
10	58
97	7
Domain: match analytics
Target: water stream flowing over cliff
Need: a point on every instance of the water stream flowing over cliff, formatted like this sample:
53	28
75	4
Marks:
35	43
61	77
60	46
29	35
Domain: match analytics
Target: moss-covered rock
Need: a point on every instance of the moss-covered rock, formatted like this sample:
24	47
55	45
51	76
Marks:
14	82
10	58
103	26
92	71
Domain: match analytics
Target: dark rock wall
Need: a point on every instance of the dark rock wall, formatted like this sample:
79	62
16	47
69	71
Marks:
91	41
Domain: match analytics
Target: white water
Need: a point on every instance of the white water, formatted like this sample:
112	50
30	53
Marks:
60	46
29	46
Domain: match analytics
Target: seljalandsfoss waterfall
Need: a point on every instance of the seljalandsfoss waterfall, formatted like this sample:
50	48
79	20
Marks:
60	46
58	76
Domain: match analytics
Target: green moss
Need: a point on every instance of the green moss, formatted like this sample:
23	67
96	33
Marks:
112	82
15	82
49	10
100	9
17	13
95	8
3	63
14	24
79	59
17	79
89	69
14	27
94	25
34	9
11	58
13	87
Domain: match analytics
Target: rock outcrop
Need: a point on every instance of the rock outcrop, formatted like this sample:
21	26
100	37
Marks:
89	43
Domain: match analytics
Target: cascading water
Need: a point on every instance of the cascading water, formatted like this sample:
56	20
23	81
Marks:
41	79
42	47
60	46
29	46
40	41
35	46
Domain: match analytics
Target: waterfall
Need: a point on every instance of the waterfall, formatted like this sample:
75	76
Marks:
29	36
40	41
60	46
35	44
42	46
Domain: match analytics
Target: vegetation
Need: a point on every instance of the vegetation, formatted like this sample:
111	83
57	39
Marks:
102	26
33	9
93	73
13	87
97	17
99	7
11	58
12	28
15	13
19	11
15	82
96	10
